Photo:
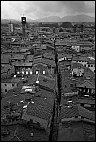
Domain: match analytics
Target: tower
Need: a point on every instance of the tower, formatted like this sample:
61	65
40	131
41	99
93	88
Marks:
23	20
82	27
11	28
75	28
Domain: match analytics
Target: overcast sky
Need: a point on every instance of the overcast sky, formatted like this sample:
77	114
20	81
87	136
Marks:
40	9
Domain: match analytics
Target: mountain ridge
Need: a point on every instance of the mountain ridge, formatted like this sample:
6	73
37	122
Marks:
77	18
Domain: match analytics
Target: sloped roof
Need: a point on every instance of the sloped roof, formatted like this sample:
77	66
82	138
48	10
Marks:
6	56
45	94
69	112
15	139
49	55
40	108
91	62
87	71
29	58
23	64
87	101
45	82
76	111
24	50
86	113
18	56
80	58
6	68
64	55
5	61
87	84
44	61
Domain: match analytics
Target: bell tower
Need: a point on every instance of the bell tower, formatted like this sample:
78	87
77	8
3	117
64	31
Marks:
23	21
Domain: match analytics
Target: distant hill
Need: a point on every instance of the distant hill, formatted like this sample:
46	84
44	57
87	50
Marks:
49	19
77	18
6	21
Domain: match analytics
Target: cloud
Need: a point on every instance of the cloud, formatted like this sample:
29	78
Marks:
78	6
39	9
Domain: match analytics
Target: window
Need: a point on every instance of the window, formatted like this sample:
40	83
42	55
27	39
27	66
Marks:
18	72
14	75
88	65
71	85
85	65
43	72
26	72
65	86
22	72
5	84
36	72
5	90
30	72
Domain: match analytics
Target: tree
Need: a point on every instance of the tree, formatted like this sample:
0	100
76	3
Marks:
66	25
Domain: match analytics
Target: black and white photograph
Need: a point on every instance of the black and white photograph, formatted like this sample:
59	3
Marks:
47	71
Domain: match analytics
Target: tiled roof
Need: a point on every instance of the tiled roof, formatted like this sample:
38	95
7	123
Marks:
87	83
87	71
87	101
47	102
5	61
15	138
6	68
69	112
43	82
41	110
5	56
81	58
18	56
23	64
86	113
14	91
29	58
91	62
64	55
10	80
76	111
24	50
44	61
12	99
43	47
45	94
49	55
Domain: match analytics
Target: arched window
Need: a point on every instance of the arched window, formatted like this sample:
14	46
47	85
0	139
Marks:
43	72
